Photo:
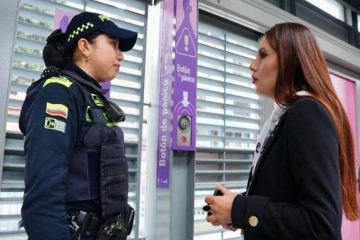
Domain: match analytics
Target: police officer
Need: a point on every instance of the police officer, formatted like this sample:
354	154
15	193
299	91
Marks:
76	174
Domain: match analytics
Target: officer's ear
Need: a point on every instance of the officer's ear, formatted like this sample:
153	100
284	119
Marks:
84	48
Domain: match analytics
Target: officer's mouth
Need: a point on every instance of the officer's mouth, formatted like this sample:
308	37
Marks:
117	66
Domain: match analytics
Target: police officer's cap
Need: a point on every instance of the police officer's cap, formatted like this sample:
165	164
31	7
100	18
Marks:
86	23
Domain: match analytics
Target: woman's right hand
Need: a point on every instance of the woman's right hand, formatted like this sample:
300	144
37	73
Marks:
229	227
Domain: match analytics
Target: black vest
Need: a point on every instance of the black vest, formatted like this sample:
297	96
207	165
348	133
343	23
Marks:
98	169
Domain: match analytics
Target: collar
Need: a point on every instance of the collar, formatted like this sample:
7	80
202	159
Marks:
72	67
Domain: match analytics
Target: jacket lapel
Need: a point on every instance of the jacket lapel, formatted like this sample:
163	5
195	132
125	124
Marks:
267	145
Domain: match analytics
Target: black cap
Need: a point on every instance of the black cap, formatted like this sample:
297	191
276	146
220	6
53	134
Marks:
85	23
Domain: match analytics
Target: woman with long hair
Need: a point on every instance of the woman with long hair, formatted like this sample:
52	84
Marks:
303	174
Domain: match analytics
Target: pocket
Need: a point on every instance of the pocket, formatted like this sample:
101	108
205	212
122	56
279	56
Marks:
113	179
83	176
112	151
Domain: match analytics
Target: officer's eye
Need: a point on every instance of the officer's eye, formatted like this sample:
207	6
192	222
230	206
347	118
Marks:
114	43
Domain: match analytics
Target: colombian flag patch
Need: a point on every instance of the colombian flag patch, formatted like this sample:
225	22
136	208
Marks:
59	110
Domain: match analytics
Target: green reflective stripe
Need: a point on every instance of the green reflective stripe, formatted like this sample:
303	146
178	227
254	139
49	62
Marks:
97	100
88	117
63	81
106	117
103	18
109	123
112	124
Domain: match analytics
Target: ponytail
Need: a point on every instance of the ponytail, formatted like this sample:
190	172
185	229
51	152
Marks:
54	50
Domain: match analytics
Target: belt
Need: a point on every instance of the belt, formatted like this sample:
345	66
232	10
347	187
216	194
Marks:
83	223
89	224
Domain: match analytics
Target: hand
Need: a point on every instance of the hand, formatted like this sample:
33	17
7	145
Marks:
229	227
220	207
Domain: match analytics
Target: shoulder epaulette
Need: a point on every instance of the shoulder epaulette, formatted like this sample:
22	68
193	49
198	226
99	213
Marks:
59	80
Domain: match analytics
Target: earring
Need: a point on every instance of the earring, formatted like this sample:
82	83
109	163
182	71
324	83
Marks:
87	58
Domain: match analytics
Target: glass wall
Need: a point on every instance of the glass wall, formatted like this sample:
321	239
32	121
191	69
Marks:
229	115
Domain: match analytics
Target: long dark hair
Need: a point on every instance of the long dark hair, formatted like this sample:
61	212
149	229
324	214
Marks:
302	66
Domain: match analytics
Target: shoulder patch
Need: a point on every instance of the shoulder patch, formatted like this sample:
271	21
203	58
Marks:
57	110
54	124
63	81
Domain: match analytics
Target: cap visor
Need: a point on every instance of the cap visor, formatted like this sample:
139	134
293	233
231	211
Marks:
127	39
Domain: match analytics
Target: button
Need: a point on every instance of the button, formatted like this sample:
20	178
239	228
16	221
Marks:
253	221
183	139
184	124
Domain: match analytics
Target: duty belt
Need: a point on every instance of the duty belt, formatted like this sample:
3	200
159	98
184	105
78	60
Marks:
89	224
83	223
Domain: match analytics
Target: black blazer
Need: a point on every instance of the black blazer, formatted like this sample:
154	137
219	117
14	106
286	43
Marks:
295	190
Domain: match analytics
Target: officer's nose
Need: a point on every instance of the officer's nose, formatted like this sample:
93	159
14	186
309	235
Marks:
119	55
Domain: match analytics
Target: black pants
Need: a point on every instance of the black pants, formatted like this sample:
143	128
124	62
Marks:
86	238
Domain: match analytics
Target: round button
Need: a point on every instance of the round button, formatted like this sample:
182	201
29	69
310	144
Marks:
253	221
184	123
183	139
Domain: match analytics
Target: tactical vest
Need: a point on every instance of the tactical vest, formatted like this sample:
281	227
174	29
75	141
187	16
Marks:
98	169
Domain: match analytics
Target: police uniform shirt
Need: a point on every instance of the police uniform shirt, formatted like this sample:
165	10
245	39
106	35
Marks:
50	118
